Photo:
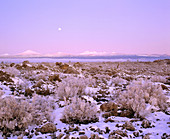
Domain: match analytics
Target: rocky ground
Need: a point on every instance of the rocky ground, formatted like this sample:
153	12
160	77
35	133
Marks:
85	100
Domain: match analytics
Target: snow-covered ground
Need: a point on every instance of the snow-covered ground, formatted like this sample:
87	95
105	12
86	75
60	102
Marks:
95	84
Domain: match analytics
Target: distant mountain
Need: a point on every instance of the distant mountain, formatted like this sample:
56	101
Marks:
94	53
57	54
4	55
154	55
29	53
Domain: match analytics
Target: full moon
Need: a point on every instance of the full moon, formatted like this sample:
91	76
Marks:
59	29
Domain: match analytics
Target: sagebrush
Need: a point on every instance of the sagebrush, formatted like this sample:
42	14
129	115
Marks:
140	93
18	114
72	86
80	111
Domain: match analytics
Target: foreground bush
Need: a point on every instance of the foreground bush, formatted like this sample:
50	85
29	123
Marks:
12	71
42	109
14	114
17	114
72	86
80	111
158	79
140	93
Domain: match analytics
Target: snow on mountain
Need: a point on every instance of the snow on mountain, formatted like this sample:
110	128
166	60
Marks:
29	53
6	54
57	54
93	53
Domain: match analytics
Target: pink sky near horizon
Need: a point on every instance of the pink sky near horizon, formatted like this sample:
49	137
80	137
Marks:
126	26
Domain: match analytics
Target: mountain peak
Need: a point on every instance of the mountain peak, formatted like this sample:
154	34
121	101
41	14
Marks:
29	53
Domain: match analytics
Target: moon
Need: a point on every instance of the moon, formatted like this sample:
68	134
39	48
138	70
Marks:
59	29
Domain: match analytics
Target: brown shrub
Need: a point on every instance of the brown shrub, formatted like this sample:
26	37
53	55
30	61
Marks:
106	107
71	70
54	77
28	92
43	91
5	77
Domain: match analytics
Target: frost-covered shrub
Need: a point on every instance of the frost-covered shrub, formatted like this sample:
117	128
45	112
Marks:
158	79
79	111
22	84
41	76
42	109
29	75
101	78
12	71
139	94
41	66
14	114
1	93
39	84
117	81
18	114
72	86
44	91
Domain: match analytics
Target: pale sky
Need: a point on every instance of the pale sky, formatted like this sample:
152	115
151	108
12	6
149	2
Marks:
75	26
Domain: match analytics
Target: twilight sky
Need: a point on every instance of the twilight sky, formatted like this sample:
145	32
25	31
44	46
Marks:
75	26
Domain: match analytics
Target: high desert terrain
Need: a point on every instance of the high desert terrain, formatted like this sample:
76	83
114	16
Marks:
81	100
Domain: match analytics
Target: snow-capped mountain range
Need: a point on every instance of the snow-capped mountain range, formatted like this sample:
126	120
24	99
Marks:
31	53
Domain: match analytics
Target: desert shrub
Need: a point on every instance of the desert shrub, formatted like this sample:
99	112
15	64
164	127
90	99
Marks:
72	86
1	93
42	109
168	62
22	84
79	111
117	81
5	77
41	76
18	66
12	64
29	75
158	79
54	77
58	63
39	83
41	66
102	78
28	92
18	114
139	94
71	70
14	114
25	62
64	66
26	65
78	64
12	71
43	91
